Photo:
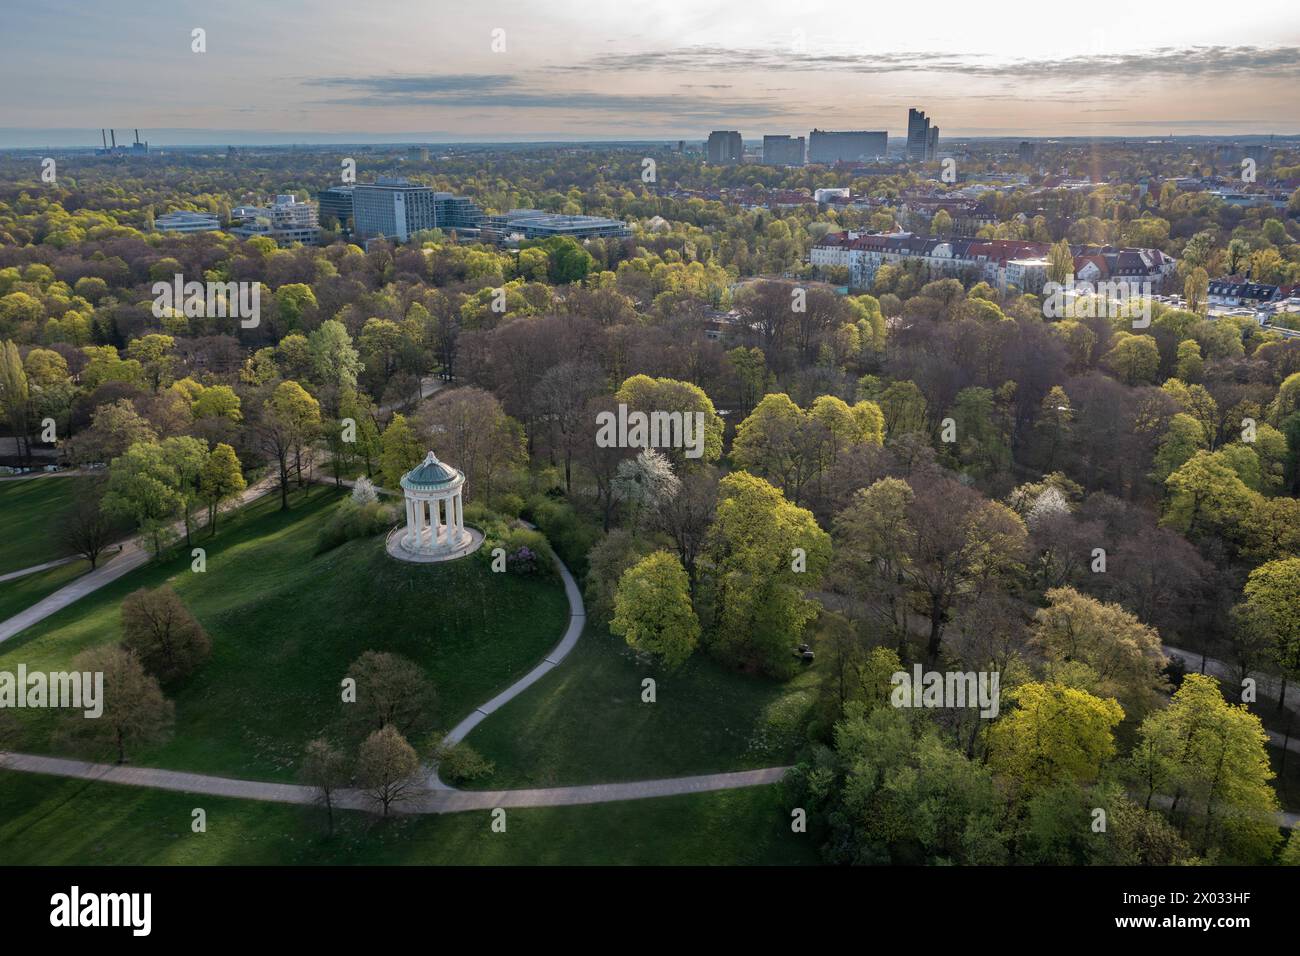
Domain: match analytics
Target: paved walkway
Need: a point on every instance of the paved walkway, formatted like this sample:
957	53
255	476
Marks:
432	801
439	797
577	620
12	575
1197	662
128	559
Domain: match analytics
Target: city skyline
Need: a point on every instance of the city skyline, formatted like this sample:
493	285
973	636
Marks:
326	72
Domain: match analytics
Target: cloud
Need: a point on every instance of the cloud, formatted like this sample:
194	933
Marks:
1185	62
509	92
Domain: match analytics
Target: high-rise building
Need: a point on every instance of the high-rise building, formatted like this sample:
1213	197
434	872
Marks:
783	150
397	208
1025	151
918	135
922	144
851	146
725	147
336	202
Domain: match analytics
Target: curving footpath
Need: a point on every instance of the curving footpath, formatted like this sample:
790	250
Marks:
129	556
438	797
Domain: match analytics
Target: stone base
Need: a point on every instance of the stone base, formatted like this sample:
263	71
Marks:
472	542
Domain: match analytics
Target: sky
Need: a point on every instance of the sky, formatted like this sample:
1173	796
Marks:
490	70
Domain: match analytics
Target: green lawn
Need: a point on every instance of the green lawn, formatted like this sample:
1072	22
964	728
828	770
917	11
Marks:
29	518
584	722
21	593
55	821
285	625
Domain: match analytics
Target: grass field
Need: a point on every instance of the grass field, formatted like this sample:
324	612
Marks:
30	511
285	625
54	821
585	721
21	593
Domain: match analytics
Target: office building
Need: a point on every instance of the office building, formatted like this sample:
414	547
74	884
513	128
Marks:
725	147
1025	151
524	224
922	142
852	146
182	221
396	208
335	203
783	150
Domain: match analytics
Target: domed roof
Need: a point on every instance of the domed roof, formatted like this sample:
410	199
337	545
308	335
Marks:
431	475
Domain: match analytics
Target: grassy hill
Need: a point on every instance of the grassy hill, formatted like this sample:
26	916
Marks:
285	624
30	511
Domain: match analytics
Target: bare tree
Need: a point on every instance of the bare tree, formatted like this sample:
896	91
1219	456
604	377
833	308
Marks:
85	529
387	768
325	768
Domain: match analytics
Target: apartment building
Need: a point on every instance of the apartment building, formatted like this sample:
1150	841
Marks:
724	148
1000	262
783	150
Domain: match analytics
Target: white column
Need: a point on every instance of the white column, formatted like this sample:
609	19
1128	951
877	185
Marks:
424	518
460	514
410	520
440	526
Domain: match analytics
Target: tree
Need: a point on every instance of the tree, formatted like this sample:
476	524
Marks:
870	554
14	395
186	457
160	630
653	612
1056	734
401	451
470	427
143	487
775	443
1209	759
153	352
392	691
1184	437
221	480
1195	287
293	300
756	543
114	428
333	360
1207	497
1134	359
1060	263
218	401
387	768
561	398
85	528
135	711
325	768
1122	655
1271	611
685	517
665	395
1191	366
893	791
935	547
290	419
